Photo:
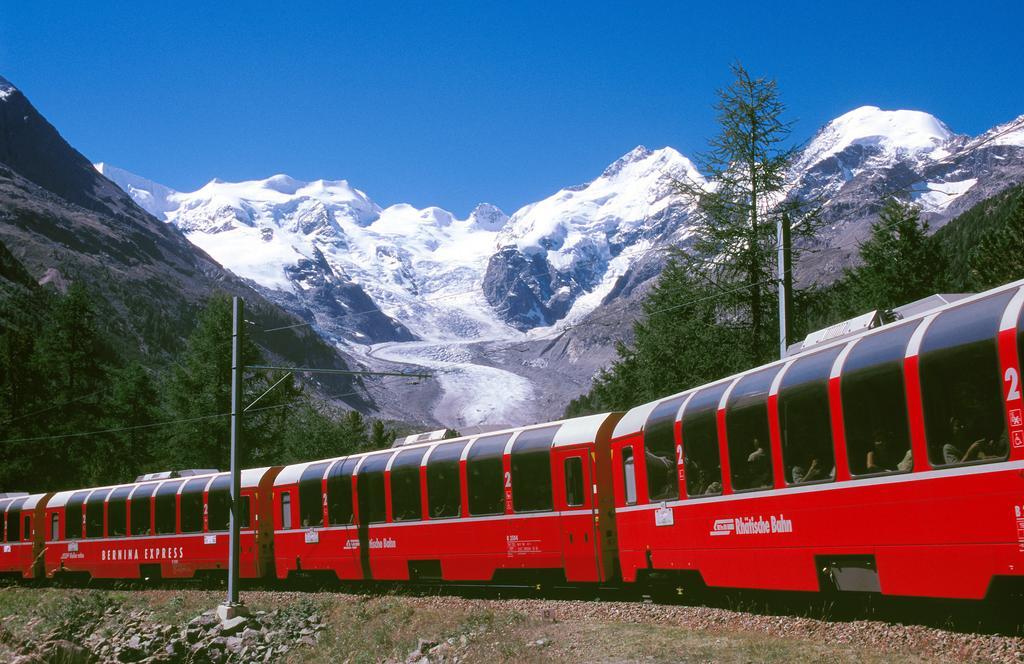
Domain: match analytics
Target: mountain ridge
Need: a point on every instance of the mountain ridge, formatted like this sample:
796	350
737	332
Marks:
466	294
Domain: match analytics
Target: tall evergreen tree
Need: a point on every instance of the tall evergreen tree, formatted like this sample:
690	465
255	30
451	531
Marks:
900	263
198	393
999	256
680	342
735	241
132	403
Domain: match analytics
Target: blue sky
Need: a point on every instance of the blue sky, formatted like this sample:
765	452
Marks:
451	104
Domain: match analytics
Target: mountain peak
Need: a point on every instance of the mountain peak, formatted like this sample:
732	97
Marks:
639	153
283	184
488	217
6	88
891	132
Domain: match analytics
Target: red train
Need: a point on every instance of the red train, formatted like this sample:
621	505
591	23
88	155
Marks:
890	460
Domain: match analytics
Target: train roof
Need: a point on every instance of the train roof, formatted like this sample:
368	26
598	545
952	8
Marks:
635	419
570	432
250	478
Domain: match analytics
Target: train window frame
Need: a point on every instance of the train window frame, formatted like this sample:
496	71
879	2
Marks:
700	411
191	505
165	508
748	399
94	513
807	379
55	526
245	512
485	475
3	519
13	515
372	492
530	466
442	477
218	504
572	472
875	365
339	492
73	509
311	495
628	456
286	510
660	458
117	505
406	488
958	363
143	495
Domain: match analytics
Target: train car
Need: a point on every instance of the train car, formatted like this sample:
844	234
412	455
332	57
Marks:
167	526
890	461
515	505
21	537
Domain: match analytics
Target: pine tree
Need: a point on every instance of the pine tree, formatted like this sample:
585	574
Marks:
197	391
735	241
131	401
900	264
998	257
678	344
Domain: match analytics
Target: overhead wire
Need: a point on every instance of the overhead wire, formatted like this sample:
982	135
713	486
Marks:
185	420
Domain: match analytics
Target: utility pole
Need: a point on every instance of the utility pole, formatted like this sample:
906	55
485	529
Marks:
785	282
232	607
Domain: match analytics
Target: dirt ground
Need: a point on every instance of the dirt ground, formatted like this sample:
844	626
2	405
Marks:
402	628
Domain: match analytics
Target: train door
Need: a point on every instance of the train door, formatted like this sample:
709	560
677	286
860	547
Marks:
578	518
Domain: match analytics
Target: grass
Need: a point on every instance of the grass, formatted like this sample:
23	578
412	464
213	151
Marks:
374	628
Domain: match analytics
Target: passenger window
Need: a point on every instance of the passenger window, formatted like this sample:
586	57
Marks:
874	403
311	497
574	490
372	507
531	470
218	503
747	432
26	529
14	520
960	384
339	492
73	515
406	503
3	519
94	513
192	505
629	474
701	460
55	526
660	451
165	512
245	512
117	512
140	509
808	454
286	510
444	491
484	475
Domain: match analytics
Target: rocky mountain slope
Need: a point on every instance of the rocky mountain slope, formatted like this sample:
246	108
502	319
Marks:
61	221
516	313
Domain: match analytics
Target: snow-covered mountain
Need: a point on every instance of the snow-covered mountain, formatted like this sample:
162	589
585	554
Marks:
490	299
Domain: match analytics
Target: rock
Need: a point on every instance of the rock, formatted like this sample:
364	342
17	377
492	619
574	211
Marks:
233	644
207	619
65	652
233	626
